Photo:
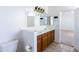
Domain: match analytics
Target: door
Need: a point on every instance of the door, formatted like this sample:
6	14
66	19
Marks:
67	28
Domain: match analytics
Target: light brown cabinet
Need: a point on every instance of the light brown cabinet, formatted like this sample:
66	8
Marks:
44	40
39	43
50	37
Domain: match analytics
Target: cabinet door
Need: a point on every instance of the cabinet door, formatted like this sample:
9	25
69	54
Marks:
44	40
52	36
39	46
49	38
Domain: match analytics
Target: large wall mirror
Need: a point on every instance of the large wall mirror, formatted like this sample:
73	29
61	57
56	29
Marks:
43	20
30	21
47	20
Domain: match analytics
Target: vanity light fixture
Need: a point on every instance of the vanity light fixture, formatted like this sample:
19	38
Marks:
39	9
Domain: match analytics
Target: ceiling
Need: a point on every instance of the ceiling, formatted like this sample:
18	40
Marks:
54	10
62	8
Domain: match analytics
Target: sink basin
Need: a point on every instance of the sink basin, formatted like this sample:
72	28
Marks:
40	28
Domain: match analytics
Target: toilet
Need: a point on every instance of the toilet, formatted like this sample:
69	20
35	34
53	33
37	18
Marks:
9	46
28	48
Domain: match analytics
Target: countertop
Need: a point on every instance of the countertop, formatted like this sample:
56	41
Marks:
40	30
45	30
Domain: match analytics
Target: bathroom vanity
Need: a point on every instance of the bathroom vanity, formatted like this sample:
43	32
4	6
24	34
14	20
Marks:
38	39
39	32
44	40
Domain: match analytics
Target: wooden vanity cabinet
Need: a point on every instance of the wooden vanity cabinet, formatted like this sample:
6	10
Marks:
44	40
39	43
49	38
53	36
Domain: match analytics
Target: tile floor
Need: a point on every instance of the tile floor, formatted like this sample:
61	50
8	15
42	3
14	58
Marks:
55	47
66	45
67	37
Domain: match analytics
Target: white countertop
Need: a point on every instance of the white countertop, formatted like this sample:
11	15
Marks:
45	30
40	30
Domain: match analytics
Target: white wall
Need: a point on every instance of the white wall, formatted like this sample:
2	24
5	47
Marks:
77	29
30	12
54	11
12	19
67	20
